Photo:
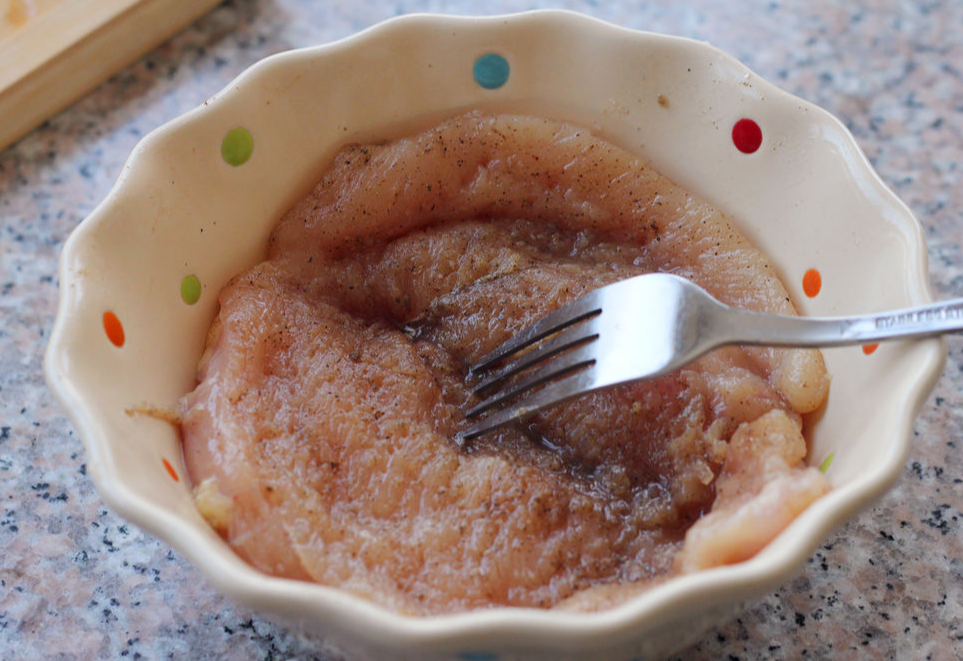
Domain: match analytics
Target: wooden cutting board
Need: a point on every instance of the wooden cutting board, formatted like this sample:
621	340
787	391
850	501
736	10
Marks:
52	52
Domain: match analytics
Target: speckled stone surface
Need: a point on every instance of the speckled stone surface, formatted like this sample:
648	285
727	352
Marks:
77	582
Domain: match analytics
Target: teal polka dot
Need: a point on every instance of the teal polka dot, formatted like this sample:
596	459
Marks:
237	146
478	656
491	71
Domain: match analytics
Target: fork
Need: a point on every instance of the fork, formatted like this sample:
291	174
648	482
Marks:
648	326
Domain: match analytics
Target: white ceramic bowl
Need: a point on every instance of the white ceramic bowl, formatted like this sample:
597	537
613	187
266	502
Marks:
807	196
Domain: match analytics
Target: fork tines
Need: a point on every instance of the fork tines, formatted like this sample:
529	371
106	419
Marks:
534	363
560	319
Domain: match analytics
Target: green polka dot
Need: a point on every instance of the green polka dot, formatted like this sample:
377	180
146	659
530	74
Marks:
237	146
190	289
827	462
491	71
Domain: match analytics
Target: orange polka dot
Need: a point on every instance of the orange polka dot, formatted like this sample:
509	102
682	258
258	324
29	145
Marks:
870	348
812	282
171	471
114	329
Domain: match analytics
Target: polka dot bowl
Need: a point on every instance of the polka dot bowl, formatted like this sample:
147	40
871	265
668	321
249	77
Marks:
198	197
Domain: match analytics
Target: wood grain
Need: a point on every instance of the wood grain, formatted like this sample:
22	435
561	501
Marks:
52	52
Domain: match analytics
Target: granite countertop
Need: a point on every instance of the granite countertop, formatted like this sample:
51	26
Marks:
78	582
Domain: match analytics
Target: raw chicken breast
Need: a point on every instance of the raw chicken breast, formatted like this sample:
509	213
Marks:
321	433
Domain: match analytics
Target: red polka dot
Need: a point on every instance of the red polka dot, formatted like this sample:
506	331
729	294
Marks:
870	348
114	329
746	135
812	283
171	471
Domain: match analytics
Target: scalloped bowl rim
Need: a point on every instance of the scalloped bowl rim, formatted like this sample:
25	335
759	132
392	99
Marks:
253	589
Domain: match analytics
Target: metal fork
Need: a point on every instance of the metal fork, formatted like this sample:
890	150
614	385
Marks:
648	326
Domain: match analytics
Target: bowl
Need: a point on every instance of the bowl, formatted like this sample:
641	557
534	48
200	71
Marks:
198	197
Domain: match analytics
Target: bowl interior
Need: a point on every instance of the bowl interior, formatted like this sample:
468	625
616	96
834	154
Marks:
807	197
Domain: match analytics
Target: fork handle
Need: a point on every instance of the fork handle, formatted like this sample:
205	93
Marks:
783	330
